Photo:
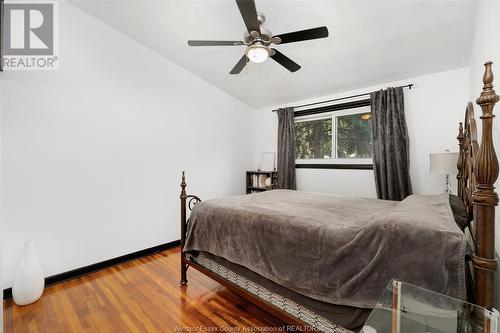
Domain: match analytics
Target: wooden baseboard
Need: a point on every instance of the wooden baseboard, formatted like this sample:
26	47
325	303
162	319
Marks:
51	280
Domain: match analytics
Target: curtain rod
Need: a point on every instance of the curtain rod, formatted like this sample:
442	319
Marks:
409	86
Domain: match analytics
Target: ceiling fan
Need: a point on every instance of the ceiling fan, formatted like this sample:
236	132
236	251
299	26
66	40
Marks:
258	40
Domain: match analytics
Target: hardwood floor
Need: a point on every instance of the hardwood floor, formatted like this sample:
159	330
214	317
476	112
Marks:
143	295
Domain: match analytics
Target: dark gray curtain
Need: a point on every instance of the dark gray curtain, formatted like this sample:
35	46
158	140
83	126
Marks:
286	149
391	158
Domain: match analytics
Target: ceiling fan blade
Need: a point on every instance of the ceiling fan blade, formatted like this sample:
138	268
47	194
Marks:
297	36
249	14
240	65
284	61
214	43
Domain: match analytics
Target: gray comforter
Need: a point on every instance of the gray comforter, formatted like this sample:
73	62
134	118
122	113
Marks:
335	249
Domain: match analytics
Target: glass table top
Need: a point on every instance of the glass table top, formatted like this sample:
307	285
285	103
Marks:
405	308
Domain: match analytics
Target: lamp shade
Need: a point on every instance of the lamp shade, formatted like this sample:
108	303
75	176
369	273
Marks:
444	163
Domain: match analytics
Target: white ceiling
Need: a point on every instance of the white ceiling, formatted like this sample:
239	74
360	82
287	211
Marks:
370	42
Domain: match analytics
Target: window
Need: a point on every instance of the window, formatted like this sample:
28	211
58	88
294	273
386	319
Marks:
313	139
339	137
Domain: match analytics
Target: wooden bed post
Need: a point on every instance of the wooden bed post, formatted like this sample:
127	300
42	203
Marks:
485	198
183	198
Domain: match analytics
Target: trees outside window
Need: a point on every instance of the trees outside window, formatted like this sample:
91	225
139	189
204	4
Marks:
336	137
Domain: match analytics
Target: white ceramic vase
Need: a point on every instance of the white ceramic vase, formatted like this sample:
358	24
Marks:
29	281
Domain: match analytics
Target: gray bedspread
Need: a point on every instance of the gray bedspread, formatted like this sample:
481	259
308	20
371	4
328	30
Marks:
335	249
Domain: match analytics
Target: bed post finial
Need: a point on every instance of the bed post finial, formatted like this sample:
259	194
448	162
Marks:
488	97
183	184
488	76
183	197
485	198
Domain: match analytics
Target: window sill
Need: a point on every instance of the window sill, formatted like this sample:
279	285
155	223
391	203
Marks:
335	166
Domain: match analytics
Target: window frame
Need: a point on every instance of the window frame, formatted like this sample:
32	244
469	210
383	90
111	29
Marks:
358	107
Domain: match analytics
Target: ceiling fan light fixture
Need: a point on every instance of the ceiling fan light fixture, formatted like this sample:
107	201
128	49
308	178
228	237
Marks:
257	52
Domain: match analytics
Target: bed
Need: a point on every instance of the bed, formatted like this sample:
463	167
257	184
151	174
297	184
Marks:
322	261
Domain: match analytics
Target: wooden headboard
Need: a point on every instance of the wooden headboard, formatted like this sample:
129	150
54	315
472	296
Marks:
477	173
469	148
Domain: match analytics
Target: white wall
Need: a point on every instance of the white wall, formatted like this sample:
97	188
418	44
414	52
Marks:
92	154
434	107
486	47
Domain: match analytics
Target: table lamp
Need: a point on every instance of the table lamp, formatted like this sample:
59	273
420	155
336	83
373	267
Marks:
444	164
